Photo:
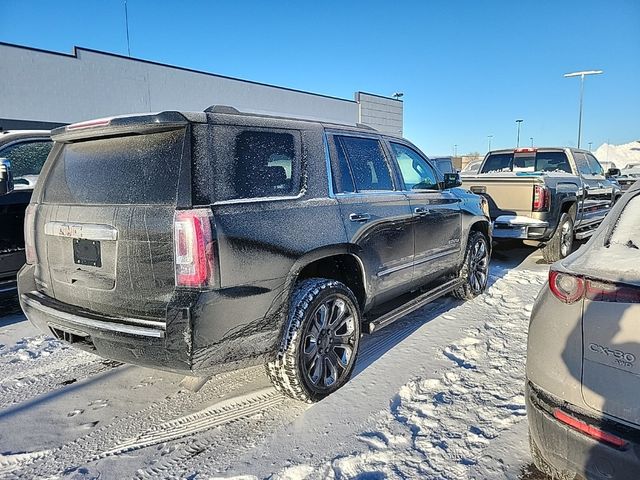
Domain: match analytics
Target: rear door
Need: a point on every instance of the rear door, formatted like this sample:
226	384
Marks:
376	215
104	222
597	190
436	215
611	328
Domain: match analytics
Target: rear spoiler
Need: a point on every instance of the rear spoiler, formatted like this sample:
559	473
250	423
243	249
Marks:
125	125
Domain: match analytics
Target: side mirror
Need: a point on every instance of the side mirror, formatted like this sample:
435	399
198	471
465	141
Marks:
6	178
452	180
613	172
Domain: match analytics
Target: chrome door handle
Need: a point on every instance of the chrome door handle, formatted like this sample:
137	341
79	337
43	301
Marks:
359	217
421	211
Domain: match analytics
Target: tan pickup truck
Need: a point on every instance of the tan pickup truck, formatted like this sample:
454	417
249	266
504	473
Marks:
545	196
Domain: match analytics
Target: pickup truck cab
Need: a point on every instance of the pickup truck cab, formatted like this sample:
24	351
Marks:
201	241
545	196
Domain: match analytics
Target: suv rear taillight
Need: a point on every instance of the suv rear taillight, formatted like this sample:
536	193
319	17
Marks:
541	199
29	234
570	288
565	287
193	248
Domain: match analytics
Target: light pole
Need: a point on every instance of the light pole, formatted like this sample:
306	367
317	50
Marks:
455	150
590	145
518	122
531	138
489	137
581	74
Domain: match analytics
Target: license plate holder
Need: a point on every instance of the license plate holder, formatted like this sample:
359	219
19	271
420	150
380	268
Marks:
87	252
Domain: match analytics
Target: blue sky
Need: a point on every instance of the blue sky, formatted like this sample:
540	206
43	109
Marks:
468	69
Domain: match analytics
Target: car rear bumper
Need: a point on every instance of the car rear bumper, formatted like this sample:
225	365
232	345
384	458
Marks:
514	226
573	452
195	336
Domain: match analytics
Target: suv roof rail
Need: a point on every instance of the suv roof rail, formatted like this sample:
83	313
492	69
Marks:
366	127
223	109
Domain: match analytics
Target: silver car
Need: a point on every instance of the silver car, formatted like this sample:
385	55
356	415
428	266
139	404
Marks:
583	357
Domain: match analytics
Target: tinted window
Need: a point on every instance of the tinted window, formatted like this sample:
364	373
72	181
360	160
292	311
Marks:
367	162
416	172
498	162
342	177
594	165
445	166
263	164
136	169
528	162
581	163
27	157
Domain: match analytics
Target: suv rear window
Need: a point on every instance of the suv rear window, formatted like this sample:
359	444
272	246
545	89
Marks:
538	162
137	169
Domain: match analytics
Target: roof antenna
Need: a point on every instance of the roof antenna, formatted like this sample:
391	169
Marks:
126	21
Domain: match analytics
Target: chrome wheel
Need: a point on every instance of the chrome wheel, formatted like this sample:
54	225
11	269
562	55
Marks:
478	266
328	343
566	238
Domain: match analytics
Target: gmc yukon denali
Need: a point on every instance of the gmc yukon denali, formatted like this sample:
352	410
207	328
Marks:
545	196
196	242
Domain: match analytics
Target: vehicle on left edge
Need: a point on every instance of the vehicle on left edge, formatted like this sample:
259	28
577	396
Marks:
22	154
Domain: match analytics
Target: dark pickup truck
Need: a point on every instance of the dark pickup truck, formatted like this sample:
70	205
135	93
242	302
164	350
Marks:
545	196
22	154
196	241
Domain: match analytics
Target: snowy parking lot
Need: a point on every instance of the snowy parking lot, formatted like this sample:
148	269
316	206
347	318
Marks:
439	395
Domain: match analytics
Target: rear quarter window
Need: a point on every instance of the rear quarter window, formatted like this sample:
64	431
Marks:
253	163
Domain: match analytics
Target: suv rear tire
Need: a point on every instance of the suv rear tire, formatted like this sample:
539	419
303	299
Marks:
561	244
475	269
322	338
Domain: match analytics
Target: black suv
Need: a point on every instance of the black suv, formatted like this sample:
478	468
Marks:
193	242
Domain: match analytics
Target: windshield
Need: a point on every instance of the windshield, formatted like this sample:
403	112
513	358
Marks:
527	162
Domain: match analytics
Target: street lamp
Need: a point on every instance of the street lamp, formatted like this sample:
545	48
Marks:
518	122
398	95
531	138
455	150
590	143
489	137
581	74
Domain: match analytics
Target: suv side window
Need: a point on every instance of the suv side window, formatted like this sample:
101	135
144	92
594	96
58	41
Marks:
27	157
364	159
594	165
581	162
254	163
415	171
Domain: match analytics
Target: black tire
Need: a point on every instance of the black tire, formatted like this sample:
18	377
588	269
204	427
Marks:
317	348
561	244
475	269
544	466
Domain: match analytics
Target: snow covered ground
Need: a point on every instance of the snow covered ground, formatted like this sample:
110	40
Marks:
620	155
437	395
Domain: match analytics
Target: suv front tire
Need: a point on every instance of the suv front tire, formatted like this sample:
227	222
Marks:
322	337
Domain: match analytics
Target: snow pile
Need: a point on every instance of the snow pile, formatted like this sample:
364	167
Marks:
440	427
620	155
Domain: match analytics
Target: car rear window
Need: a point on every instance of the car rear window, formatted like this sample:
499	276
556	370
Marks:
136	169
538	162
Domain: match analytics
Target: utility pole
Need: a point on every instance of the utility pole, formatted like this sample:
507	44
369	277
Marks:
518	122
126	22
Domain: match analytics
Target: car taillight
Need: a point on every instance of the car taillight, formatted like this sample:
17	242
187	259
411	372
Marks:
193	248
611	292
29	234
565	287
541	199
590	430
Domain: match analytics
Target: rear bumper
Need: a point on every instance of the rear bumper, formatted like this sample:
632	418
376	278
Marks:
525	228
195	336
573	452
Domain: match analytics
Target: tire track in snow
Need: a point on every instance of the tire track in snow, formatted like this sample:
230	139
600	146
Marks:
158	421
